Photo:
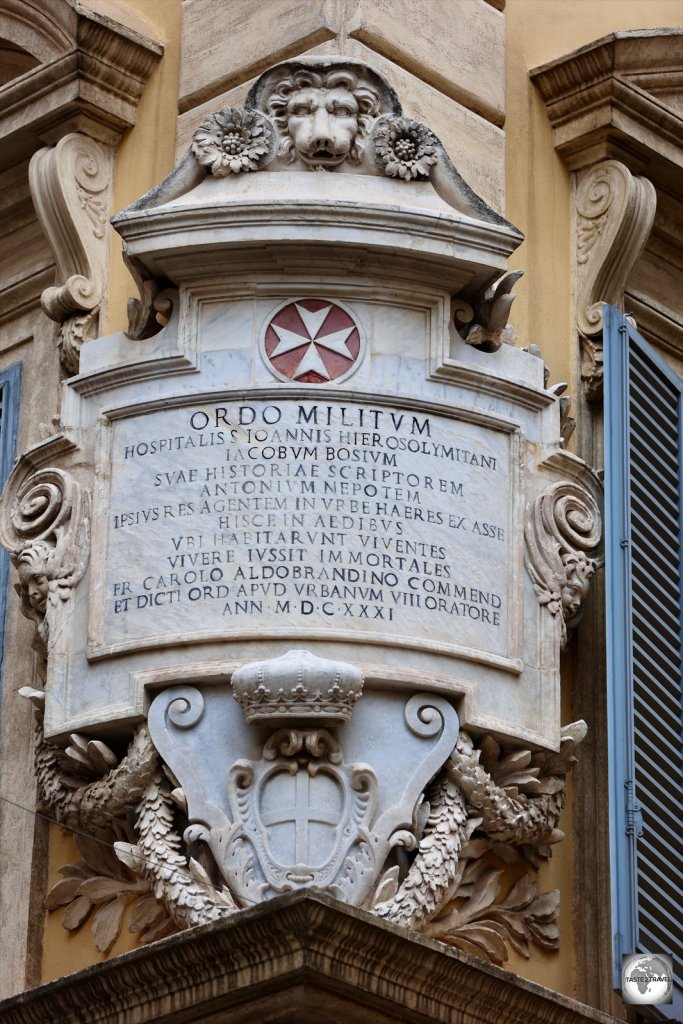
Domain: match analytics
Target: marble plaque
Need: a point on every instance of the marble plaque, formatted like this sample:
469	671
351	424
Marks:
286	516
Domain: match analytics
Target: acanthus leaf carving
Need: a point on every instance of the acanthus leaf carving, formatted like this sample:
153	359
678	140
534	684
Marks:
562	533
484	802
484	323
615	211
73	333
70	187
45	525
154	301
92	801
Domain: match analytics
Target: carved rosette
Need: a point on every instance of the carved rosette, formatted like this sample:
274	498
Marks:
70	187
44	524
233	140
404	148
614	215
562	532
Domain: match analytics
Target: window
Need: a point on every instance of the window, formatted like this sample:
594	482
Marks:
643	426
10	380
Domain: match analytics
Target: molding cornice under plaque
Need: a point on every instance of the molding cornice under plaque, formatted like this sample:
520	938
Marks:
297	958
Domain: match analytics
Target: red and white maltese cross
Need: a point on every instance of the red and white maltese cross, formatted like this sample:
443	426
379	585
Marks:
312	341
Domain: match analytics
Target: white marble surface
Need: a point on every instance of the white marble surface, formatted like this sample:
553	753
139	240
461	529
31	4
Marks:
286	517
230	522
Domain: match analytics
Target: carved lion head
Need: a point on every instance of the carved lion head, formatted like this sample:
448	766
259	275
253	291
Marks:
323	109
323	118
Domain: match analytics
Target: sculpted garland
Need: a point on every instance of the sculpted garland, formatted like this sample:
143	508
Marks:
441	875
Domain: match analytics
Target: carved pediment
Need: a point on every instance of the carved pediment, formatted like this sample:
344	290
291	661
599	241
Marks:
322	120
319	114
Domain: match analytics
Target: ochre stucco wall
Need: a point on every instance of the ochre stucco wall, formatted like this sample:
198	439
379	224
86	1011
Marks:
538	186
147	153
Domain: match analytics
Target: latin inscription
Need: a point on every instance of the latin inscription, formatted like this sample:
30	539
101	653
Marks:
292	515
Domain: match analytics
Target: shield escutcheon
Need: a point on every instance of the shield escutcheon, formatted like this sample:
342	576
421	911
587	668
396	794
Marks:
301	811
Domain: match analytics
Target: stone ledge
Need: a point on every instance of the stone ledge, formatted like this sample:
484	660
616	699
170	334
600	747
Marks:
300	958
94	85
611	99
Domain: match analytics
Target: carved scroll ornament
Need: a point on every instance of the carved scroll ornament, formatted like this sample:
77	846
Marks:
70	187
427	865
614	211
44	524
562	533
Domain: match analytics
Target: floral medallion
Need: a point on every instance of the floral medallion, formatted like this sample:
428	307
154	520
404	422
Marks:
232	140
405	149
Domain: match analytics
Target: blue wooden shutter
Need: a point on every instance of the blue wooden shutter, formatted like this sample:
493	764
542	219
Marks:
10	383
643	424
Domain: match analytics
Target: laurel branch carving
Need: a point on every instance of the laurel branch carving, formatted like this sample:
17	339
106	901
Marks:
179	882
487	805
100	889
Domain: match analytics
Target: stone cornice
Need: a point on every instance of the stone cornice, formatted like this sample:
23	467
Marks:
94	86
298	957
609	99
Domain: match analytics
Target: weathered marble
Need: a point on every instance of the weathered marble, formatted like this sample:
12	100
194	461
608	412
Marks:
315	458
302	959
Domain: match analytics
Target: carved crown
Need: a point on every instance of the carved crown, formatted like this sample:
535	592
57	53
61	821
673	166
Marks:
297	687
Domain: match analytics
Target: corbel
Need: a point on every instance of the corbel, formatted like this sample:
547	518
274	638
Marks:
71	190
614	214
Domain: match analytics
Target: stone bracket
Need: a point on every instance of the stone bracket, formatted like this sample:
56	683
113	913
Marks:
562	533
614	215
71	190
